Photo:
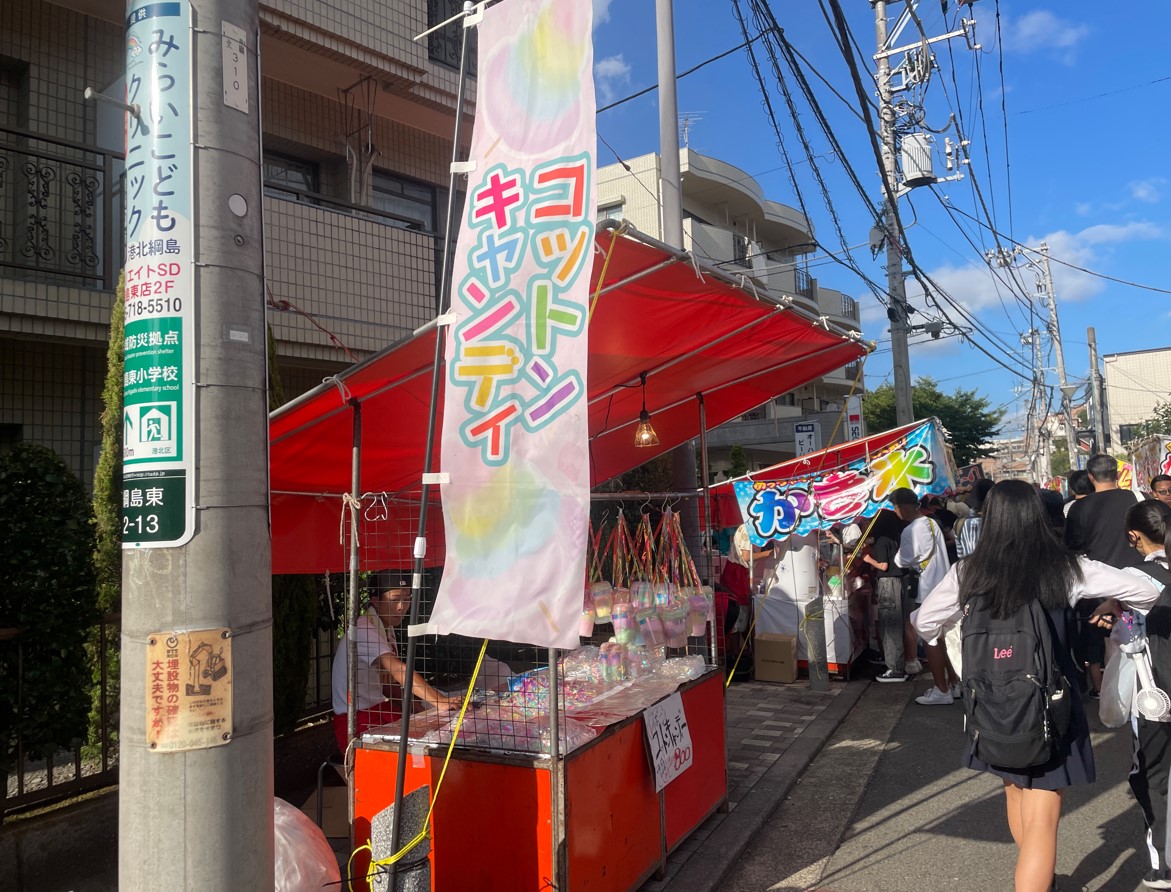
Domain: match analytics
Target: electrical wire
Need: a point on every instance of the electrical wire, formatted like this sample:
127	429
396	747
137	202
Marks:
1067	263
681	74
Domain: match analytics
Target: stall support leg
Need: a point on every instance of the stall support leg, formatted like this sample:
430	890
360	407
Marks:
661	870
707	518
352	606
556	780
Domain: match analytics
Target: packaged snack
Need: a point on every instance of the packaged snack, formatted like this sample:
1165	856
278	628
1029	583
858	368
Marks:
697	620
603	597
625	624
650	627
641	595
675	623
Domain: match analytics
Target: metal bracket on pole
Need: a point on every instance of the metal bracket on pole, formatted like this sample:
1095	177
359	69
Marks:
463	167
131	108
446	319
436	478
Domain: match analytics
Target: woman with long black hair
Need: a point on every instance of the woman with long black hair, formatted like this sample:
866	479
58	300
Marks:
1017	560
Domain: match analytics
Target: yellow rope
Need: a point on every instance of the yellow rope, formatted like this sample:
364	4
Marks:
379	863
614	234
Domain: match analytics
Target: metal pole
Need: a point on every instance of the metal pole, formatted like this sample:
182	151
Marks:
556	777
420	552
352	601
202	818
1055	334
706	495
1097	398
895	284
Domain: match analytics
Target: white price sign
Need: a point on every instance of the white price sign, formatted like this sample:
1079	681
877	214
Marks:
668	738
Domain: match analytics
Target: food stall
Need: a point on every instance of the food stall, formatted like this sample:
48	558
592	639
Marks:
711	350
795	503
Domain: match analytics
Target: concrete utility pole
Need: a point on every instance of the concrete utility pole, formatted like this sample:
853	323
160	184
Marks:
671	191
895	283
1055	335
195	788
1096	395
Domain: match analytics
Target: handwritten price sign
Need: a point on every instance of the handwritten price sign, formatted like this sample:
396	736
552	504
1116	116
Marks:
668	738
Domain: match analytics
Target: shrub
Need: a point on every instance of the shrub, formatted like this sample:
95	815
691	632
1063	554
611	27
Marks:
47	591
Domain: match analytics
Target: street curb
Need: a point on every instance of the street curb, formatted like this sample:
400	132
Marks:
715	857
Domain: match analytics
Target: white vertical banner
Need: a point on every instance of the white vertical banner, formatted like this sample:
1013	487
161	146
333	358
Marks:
516	509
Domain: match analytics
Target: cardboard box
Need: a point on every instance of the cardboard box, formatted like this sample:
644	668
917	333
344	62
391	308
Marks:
775	657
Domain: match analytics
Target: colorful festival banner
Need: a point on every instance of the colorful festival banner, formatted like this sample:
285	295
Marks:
1152	457
516	508
843	493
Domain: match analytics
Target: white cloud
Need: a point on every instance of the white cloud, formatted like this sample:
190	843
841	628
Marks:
609	73
975	287
1149	190
601	11
1083	208
1042	30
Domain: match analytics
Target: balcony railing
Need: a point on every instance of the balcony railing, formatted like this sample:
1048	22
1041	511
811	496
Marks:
60	209
443	46
849	307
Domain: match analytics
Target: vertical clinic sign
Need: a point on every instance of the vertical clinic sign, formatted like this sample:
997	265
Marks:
516	509
158	501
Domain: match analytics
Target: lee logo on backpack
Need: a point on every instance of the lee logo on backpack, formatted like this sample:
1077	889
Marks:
1017	703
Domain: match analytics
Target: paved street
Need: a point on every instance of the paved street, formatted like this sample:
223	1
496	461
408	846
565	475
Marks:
884	808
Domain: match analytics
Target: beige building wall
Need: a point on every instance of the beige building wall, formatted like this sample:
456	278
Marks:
1135	383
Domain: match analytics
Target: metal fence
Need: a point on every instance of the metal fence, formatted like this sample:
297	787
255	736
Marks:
60	208
37	778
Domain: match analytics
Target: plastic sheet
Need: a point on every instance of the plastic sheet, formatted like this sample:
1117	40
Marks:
502	727
304	860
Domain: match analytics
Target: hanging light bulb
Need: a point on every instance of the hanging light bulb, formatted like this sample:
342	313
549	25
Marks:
644	434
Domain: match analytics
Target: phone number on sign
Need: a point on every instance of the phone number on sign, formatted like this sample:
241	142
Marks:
156	306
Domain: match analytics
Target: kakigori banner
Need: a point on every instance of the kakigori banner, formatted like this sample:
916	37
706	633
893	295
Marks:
817	496
516	504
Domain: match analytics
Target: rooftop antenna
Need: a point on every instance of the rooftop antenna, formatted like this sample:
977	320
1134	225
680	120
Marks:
686	122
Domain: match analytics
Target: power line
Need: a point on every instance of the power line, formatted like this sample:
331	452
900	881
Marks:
1080	269
681	75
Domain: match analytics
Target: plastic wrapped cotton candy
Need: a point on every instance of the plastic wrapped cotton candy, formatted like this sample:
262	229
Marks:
641	594
625	624
681	668
674	617
603	597
650	627
699	610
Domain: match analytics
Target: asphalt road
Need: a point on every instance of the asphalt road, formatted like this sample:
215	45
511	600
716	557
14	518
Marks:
885	807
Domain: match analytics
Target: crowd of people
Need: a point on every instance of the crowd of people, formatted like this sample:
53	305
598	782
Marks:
1096	564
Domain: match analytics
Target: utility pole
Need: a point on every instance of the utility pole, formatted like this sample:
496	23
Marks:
1063	383
670	189
895	283
195	806
1096	396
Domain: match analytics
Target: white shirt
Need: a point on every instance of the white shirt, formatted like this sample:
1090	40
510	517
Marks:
941	609
373	642
922	541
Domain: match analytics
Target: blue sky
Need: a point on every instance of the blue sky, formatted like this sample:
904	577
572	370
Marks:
1086	97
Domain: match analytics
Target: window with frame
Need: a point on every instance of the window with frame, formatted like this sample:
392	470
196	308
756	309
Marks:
415	205
611	211
289	177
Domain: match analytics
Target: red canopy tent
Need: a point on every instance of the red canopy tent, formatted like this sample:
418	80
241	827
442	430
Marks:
695	331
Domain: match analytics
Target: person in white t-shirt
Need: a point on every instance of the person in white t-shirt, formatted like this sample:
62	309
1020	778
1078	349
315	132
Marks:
923	554
378	695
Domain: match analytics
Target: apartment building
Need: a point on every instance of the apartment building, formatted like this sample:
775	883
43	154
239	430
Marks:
728	221
357	129
1135	383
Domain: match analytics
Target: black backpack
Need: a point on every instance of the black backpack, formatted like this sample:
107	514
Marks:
1017	702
